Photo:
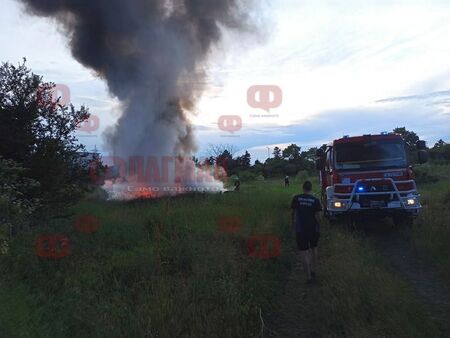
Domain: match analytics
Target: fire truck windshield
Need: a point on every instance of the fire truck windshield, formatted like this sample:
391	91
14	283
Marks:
370	155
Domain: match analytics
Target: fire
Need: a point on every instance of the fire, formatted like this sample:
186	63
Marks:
122	190
144	194
180	180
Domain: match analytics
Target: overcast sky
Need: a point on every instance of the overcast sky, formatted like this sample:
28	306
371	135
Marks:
343	67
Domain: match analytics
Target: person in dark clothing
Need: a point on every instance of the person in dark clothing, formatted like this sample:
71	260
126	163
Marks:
237	184
286	181
305	220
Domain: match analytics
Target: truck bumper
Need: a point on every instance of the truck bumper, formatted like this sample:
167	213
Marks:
383	203
392	208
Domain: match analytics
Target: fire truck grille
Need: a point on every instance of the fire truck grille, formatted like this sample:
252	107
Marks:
377	188
373	201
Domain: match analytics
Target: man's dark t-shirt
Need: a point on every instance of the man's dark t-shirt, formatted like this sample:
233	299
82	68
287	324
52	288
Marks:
305	207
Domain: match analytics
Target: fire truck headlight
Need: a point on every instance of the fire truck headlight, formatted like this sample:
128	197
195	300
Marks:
411	201
338	204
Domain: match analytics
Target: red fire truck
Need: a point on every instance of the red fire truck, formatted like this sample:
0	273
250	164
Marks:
369	175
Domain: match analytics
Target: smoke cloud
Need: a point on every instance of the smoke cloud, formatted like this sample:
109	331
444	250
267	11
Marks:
151	54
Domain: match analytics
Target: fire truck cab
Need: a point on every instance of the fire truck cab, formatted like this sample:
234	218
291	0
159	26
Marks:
369	174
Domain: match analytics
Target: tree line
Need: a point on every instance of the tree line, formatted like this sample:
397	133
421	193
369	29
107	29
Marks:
288	161
292	160
44	169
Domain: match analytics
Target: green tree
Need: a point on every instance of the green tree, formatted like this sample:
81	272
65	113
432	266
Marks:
276	152
308	159
439	144
410	137
226	161
274	167
440	152
292	152
258	168
16	209
244	161
37	132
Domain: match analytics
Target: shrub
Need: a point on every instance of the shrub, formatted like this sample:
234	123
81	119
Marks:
39	133
424	175
301	176
16	208
247	176
233	178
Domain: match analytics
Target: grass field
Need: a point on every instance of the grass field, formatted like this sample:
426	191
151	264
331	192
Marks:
432	229
193	266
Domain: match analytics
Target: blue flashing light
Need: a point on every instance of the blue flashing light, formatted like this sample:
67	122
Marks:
360	188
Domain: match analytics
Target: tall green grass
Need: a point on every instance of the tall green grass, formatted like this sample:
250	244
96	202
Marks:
163	268
359	295
431	233
155	268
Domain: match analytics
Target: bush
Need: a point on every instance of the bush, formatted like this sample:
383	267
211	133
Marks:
39	133
424	175
232	179
290	169
16	208
301	176
247	176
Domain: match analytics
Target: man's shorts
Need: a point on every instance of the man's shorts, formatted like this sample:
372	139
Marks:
307	239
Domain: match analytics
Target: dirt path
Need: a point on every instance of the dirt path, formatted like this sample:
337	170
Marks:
396	247
289	318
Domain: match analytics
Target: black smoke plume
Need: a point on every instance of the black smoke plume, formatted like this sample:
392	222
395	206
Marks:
150	53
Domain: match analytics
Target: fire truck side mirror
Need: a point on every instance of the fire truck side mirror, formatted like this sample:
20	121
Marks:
320	163
421	145
422	156
320	160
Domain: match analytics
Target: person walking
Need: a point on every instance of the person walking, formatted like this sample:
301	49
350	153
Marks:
237	184
305	220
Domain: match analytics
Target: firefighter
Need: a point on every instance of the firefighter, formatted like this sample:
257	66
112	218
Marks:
305	220
237	184
286	181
